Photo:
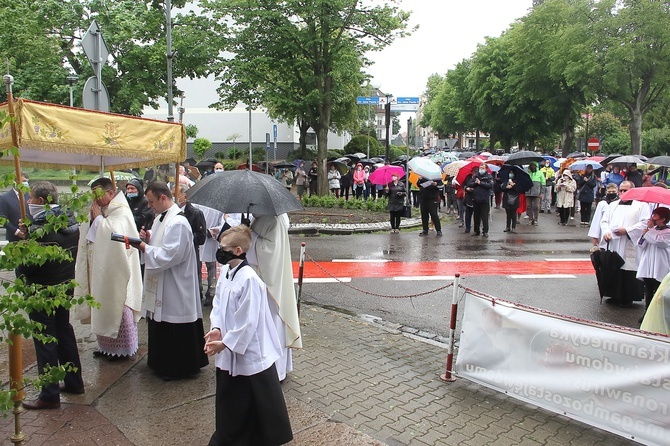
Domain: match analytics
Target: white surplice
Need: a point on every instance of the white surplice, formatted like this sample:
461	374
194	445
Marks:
171	291
632	217
654	254
240	310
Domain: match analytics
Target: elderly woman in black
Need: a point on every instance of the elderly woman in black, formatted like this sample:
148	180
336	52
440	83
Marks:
395	191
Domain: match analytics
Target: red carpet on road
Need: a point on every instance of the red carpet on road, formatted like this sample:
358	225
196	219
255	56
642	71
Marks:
404	269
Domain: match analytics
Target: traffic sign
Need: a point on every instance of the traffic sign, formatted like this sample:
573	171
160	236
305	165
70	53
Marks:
593	144
369	100
407	100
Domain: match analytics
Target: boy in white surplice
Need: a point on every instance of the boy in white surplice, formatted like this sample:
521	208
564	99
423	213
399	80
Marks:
250	406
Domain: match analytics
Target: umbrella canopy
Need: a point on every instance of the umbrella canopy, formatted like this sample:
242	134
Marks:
523	157
246	166
425	168
359	155
642	157
581	165
651	194
626	159
340	167
344	160
559	162
596	158
609	158
522	181
244	191
662	160
577	155
284	166
205	164
118	176
403	158
55	136
466	170
465	155
377	159
366	162
452	168
382	175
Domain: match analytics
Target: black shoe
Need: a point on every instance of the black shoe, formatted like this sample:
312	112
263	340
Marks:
39	404
423	234
485	234
541	212
439	234
549	211
64	389
474	234
506	230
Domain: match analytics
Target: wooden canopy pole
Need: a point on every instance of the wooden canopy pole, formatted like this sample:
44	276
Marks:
15	359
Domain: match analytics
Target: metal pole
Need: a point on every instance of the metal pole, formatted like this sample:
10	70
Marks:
452	330
301	271
368	133
250	149
169	54
71	80
388	125
15	358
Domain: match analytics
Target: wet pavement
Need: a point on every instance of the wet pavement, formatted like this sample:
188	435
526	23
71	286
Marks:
359	380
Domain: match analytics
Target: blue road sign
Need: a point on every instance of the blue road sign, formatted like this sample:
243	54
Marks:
407	100
367	100
274	131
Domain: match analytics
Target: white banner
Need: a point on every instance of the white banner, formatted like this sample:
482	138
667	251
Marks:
617	380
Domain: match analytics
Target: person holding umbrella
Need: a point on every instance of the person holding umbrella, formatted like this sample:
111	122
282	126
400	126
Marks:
534	195
586	183
510	202
654	246
480	185
565	196
334	180
395	191
429	199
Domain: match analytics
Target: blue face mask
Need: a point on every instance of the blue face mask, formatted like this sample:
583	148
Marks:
132	194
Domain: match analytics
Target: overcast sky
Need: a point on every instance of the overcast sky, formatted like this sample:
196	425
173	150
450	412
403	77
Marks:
449	31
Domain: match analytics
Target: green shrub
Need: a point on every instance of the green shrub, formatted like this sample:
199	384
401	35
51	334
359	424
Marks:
219	155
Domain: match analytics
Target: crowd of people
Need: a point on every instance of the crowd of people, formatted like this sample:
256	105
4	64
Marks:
152	242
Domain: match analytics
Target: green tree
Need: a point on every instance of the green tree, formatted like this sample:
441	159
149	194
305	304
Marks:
201	146
630	39
191	131
395	126
359	143
320	46
41	41
233	137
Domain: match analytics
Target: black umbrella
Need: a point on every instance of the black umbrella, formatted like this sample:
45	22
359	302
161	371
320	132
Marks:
662	160
344	160
284	166
465	155
607	264
366	162
244	191
191	161
576	155
377	160
609	159
524	157
522	181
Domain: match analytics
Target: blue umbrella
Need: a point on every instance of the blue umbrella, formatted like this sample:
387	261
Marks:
581	165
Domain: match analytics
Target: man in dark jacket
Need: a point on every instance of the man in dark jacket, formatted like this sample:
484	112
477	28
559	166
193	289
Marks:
429	200
480	184
143	214
196	220
56	324
587	185
634	176
11	211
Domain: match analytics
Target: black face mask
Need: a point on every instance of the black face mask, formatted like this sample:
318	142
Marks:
611	197
223	256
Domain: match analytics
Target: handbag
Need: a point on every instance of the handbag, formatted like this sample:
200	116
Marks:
512	200
407	211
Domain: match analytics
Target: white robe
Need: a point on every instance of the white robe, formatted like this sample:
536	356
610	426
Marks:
108	271
240	310
170	270
594	229
271	253
631	217
654	254
213	219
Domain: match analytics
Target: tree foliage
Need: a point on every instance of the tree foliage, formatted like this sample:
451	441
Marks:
302	60
42	42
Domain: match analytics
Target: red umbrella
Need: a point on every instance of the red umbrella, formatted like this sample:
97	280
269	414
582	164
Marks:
382	175
244	166
648	195
466	170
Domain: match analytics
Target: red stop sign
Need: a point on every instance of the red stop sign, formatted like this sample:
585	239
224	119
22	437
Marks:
593	144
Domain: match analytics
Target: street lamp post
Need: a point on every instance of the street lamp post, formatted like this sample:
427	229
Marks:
71	81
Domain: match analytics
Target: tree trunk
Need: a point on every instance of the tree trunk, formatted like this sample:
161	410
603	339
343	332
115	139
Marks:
321	160
567	136
635	127
303	126
477	140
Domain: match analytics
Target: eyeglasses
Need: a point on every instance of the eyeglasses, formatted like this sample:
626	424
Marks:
624	190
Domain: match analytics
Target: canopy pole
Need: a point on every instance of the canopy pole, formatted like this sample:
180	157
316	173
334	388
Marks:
111	176
15	358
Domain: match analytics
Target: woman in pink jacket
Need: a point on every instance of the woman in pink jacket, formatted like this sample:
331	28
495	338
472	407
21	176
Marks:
359	180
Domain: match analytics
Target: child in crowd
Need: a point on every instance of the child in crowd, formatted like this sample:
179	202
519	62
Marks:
250	406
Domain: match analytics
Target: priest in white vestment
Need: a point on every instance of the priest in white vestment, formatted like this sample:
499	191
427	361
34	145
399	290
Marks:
171	292
110	272
271	254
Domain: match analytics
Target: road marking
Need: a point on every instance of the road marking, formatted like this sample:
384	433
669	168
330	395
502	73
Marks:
360	260
409	278
568	260
323	280
467	260
542	276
